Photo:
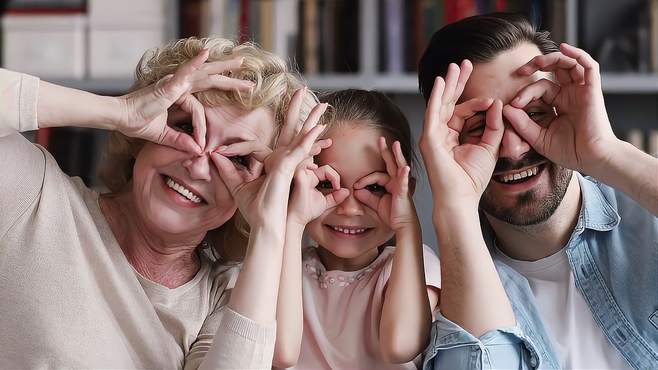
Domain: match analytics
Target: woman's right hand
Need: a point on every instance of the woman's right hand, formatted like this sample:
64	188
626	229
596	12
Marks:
144	112
264	200
456	171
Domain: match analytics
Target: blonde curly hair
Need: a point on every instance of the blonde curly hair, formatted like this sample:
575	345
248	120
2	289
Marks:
275	84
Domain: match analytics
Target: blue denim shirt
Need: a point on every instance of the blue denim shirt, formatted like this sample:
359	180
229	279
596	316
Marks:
613	253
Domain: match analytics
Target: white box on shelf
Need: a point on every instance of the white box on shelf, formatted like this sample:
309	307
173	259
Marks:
106	11
50	46
114	51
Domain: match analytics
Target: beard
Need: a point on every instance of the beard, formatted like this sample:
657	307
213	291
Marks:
530	207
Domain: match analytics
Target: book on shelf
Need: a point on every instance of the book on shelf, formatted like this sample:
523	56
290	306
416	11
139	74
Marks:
644	140
653	35
652	143
622	36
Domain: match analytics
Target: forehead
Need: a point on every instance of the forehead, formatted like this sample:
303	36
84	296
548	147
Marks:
498	78
354	151
229	122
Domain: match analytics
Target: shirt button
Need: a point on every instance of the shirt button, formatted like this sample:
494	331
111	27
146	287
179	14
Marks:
533	361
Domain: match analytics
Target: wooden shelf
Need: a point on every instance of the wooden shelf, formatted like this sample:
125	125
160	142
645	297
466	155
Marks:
630	83
109	86
404	83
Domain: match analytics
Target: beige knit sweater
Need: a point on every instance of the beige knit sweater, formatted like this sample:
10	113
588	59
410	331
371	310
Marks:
68	296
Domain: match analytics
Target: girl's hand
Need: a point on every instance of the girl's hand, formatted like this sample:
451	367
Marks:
315	190
459	172
264	200
145	110
388	193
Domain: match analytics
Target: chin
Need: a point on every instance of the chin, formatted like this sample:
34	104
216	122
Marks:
172	222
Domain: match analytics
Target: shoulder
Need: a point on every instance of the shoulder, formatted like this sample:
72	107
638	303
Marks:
223	275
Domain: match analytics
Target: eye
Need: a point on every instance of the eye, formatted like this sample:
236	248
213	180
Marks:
241	161
540	115
376	189
476	129
536	115
325	186
185	126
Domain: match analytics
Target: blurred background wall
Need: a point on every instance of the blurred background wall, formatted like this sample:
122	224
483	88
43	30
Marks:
94	45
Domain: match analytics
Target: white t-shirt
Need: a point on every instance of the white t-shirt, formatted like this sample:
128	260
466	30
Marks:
578	340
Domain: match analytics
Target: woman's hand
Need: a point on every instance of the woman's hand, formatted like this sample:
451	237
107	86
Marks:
145	110
264	200
459	172
388	193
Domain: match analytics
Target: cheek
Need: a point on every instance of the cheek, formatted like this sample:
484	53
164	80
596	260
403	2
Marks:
314	228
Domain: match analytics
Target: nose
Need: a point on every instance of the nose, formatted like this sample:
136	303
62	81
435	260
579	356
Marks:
350	207
198	167
513	146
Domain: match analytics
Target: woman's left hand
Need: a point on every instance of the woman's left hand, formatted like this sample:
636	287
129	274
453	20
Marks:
388	193
264	200
144	112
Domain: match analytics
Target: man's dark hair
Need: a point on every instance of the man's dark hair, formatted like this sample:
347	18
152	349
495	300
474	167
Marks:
479	39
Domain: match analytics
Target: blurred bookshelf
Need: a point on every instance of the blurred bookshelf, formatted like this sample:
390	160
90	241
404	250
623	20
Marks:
336	44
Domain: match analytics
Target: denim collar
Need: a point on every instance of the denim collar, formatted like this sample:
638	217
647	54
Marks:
596	211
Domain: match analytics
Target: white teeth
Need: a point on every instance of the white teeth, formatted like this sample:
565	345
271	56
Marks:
349	231
520	175
180	189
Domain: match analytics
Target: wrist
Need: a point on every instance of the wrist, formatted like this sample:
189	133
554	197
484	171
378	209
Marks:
294	228
614	149
116	116
273	235
457	204
454	213
409	231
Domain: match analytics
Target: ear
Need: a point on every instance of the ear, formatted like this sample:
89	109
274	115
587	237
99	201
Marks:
412	185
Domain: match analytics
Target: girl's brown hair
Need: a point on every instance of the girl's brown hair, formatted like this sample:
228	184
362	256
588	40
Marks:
374	108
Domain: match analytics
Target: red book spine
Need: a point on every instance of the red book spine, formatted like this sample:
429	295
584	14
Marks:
43	138
244	20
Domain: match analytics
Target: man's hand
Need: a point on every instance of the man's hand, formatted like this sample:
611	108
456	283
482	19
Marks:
580	136
459	172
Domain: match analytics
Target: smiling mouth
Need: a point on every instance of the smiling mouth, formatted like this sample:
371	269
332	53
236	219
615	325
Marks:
349	230
183	191
519	176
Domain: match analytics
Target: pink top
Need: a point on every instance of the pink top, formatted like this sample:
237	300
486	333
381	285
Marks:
342	311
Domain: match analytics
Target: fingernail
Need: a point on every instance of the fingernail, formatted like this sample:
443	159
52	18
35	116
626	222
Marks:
221	148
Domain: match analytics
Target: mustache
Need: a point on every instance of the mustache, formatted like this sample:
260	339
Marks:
506	164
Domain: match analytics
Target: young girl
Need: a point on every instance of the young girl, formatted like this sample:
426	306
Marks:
367	295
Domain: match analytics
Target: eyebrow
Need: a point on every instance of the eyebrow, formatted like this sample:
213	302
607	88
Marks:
232	138
481	113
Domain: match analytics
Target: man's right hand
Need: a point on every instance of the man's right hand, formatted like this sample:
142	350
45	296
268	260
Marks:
459	172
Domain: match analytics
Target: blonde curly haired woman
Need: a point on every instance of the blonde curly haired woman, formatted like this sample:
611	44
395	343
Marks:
120	280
